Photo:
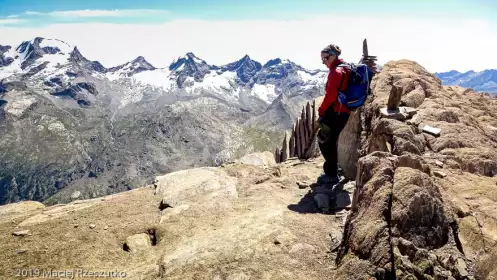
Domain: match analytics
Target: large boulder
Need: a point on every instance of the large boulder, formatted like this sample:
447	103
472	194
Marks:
209	186
398	220
486	268
258	159
20	207
349	144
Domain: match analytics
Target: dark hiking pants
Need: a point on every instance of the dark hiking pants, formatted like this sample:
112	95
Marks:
331	126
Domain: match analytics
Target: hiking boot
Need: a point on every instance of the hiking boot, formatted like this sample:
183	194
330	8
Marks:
328	180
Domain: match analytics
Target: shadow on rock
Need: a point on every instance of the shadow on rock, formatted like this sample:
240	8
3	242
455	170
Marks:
325	199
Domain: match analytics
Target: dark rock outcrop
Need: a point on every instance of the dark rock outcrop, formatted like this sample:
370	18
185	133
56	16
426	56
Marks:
134	67
80	62
5	61
83	93
189	66
245	68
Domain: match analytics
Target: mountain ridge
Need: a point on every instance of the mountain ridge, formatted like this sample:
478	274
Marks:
189	54
482	81
103	130
185	72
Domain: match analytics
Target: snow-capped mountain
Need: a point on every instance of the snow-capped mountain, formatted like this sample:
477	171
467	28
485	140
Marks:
45	59
68	123
129	69
53	60
189	66
483	81
34	56
195	75
245	68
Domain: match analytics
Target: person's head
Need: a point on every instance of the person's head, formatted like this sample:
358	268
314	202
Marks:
329	54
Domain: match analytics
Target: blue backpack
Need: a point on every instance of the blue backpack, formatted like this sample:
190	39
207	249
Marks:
357	90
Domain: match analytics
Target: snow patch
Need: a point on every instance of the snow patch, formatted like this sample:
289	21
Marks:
11	53
264	92
304	76
114	76
62	46
197	60
55	60
221	83
121	73
181	67
214	81
159	78
10	70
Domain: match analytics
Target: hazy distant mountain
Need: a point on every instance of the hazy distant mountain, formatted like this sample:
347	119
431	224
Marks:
484	81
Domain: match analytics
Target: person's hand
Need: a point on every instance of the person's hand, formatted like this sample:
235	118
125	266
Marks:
318	123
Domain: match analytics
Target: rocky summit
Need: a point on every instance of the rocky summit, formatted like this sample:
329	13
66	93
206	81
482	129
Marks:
421	180
418	201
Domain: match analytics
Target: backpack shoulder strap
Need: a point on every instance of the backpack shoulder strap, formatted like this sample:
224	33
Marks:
343	73
341	83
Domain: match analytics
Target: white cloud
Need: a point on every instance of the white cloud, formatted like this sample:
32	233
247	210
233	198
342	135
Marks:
13	16
32	13
438	45
10	20
98	13
102	13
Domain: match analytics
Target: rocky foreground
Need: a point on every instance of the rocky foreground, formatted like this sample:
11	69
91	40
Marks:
241	221
424	205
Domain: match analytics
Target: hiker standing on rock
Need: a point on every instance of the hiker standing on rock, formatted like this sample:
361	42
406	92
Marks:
333	115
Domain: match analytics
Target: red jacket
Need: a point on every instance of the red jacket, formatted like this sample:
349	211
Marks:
331	90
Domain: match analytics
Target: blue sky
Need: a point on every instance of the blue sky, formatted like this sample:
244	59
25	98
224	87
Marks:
42	11
221	31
